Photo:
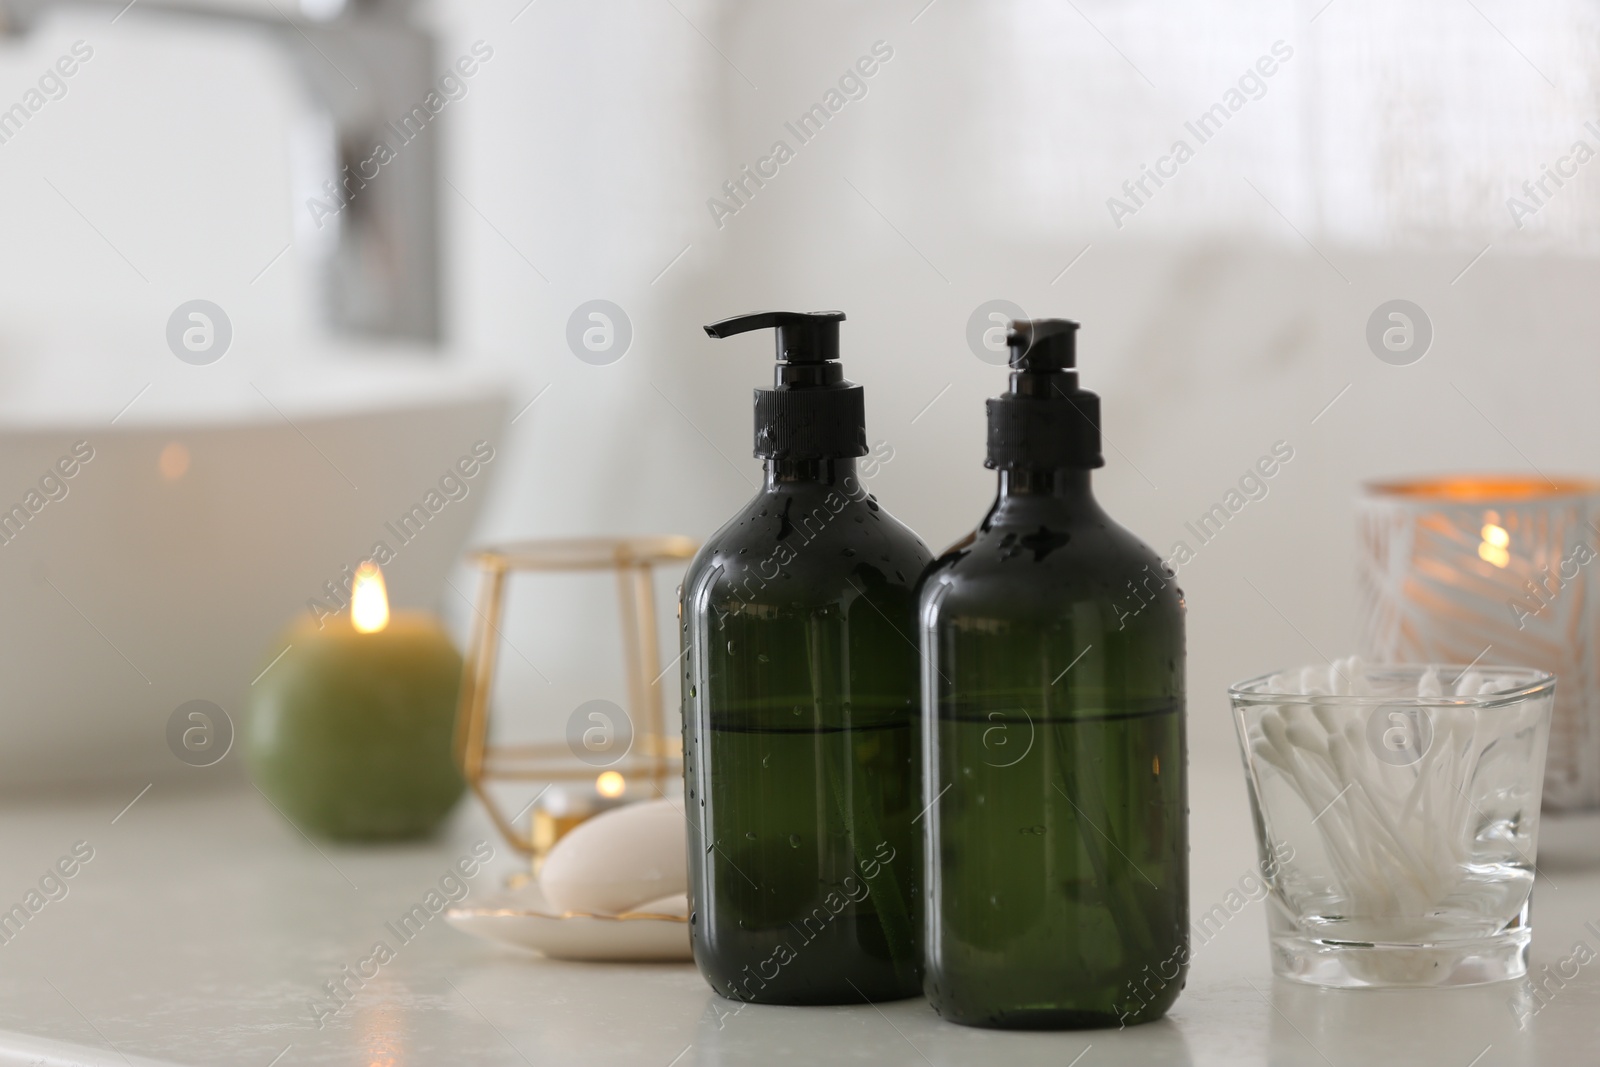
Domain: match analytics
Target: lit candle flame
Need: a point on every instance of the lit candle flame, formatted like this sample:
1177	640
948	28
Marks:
610	784
1495	539
369	601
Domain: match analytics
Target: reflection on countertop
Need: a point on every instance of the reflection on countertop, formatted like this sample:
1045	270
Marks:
204	929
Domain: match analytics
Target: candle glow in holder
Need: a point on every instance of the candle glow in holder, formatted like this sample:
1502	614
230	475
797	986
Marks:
1494	568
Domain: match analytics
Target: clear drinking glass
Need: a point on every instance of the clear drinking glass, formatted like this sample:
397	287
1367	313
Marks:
1398	832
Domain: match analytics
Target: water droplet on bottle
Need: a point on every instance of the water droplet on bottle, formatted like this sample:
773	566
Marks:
794	840
730	648
750	835
761	657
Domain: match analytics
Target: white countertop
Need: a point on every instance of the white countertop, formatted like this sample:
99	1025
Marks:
204	926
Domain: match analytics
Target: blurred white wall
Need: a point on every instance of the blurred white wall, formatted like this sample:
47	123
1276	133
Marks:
1222	316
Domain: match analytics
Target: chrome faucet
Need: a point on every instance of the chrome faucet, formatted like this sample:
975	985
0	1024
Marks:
374	243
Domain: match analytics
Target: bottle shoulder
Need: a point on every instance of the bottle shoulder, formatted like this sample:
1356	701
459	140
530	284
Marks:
1049	561
808	542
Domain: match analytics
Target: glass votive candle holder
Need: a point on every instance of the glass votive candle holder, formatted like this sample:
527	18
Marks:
1498	567
1398	832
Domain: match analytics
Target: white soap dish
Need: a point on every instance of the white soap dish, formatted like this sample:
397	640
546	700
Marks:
659	933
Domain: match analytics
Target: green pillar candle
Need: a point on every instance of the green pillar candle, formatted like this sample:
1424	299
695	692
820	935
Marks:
350	732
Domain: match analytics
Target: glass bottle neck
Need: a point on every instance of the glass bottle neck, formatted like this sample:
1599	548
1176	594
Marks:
1062	484
781	473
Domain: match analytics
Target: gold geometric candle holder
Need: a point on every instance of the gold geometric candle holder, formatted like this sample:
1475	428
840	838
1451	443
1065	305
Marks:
653	755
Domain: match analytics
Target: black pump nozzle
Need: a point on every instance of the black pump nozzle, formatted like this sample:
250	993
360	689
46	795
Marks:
1044	421
1043	344
811	412
802	336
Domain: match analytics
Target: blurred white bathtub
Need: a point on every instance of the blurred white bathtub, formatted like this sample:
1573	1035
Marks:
152	581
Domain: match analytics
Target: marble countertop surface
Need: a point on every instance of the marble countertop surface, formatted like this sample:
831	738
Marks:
203	929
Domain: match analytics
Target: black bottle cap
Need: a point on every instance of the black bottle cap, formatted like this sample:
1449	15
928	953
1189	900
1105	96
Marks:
811	412
1044	421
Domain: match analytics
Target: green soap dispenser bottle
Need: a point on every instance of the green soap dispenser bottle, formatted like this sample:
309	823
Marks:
800	707
1053	734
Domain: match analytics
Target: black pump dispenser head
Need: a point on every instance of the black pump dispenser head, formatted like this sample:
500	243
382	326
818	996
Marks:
802	336
1044	421
811	412
1043	345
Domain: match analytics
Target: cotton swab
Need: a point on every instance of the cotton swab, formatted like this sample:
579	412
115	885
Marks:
1398	836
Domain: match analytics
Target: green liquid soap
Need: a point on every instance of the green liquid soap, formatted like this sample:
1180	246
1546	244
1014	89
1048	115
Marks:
802	769
1055	757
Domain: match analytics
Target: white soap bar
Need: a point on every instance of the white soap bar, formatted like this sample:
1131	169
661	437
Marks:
617	861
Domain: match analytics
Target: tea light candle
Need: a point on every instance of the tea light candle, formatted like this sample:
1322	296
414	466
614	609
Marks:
561	808
350	733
